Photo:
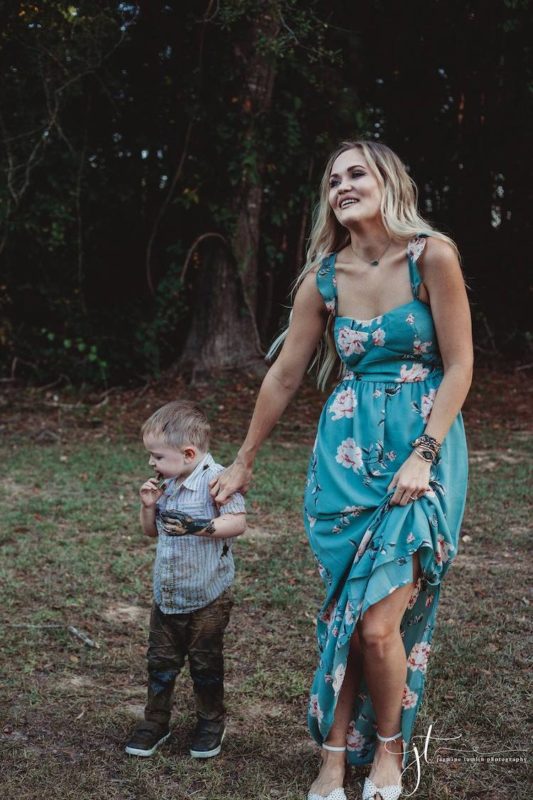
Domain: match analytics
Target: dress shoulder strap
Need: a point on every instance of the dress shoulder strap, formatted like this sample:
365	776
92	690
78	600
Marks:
327	284
415	248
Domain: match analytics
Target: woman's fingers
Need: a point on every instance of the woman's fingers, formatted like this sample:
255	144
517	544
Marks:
234	479
406	494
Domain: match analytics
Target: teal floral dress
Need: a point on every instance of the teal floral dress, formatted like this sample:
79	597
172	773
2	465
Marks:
364	546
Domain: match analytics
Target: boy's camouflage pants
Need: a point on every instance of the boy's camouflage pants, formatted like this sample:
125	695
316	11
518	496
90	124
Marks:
198	635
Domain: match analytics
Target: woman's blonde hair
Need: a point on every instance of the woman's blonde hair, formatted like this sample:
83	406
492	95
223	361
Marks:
400	217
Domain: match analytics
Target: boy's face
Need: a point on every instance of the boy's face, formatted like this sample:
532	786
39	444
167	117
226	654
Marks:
170	462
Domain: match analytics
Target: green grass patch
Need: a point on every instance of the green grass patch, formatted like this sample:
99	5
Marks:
73	554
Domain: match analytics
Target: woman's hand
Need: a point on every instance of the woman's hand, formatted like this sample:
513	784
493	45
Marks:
236	478
411	481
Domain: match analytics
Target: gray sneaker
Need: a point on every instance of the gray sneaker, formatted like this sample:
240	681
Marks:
146	738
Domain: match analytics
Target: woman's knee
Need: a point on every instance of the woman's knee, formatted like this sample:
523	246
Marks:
376	633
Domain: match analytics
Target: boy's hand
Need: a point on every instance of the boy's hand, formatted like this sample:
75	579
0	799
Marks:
150	493
177	523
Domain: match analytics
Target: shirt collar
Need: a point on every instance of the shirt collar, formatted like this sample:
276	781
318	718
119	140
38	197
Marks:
193	480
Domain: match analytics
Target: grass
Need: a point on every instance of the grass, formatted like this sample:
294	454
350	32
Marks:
72	554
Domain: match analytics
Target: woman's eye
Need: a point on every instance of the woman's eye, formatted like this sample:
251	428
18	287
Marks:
333	182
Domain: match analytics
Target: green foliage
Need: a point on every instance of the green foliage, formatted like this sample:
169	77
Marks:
96	103
64	354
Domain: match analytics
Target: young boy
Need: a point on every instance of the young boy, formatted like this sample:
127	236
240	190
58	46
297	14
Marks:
193	573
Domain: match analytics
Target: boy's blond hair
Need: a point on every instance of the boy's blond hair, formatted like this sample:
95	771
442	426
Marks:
179	423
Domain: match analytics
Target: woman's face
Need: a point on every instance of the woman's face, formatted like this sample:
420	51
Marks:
354	193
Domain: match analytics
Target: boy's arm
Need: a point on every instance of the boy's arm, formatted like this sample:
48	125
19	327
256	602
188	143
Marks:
150	493
230	521
225	526
147	519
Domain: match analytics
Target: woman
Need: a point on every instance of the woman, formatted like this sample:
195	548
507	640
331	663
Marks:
387	479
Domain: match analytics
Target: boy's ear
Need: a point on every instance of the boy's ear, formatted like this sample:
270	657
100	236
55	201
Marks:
189	453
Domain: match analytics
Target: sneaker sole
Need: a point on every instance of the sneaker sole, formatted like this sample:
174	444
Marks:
208	753
134	751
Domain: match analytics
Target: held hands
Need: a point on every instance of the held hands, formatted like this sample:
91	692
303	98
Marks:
150	493
411	481
236	478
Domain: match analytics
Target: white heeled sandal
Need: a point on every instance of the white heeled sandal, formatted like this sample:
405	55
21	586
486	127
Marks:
390	792
336	794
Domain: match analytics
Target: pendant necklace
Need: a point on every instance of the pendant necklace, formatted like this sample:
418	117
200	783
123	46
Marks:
375	261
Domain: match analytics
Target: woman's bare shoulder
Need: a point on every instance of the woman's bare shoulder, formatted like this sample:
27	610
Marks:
438	252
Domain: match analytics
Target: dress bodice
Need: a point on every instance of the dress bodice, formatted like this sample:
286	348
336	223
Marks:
398	346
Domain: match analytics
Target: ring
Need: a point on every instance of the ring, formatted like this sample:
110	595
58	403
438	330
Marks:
413	497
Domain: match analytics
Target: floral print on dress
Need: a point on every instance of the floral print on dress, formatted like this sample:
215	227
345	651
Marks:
344	404
419	348
351	341
418	657
416	372
364	546
415	247
378	337
350	455
426	404
354	739
409	698
338	678
442	555
328	615
314	708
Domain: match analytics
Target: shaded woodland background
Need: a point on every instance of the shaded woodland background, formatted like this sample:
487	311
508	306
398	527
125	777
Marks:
161	162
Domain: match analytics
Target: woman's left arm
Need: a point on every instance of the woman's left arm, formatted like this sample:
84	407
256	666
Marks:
445	285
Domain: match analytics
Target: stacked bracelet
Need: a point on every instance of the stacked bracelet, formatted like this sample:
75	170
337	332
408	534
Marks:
427	448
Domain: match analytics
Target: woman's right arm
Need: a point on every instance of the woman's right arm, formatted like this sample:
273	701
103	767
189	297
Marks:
307	325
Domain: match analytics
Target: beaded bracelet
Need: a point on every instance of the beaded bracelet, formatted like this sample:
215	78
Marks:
427	448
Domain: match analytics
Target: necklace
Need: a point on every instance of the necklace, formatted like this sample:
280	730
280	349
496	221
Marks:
375	261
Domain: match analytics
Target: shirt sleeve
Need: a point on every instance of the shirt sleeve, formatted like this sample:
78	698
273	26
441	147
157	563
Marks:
235	505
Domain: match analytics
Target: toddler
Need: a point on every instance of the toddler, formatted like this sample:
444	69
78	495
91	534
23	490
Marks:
193	573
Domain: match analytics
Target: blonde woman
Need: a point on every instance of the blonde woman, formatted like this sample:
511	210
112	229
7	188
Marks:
387	479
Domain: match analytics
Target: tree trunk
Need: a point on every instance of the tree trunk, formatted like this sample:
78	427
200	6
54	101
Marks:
259	69
222	333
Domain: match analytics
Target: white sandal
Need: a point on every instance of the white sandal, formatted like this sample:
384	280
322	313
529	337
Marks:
336	794
390	792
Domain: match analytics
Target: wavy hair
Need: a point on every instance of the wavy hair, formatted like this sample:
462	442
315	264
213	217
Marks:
400	216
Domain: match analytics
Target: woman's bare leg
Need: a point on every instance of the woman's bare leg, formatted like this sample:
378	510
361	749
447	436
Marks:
331	773
385	668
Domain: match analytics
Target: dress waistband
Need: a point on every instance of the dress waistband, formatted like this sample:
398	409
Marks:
416	374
